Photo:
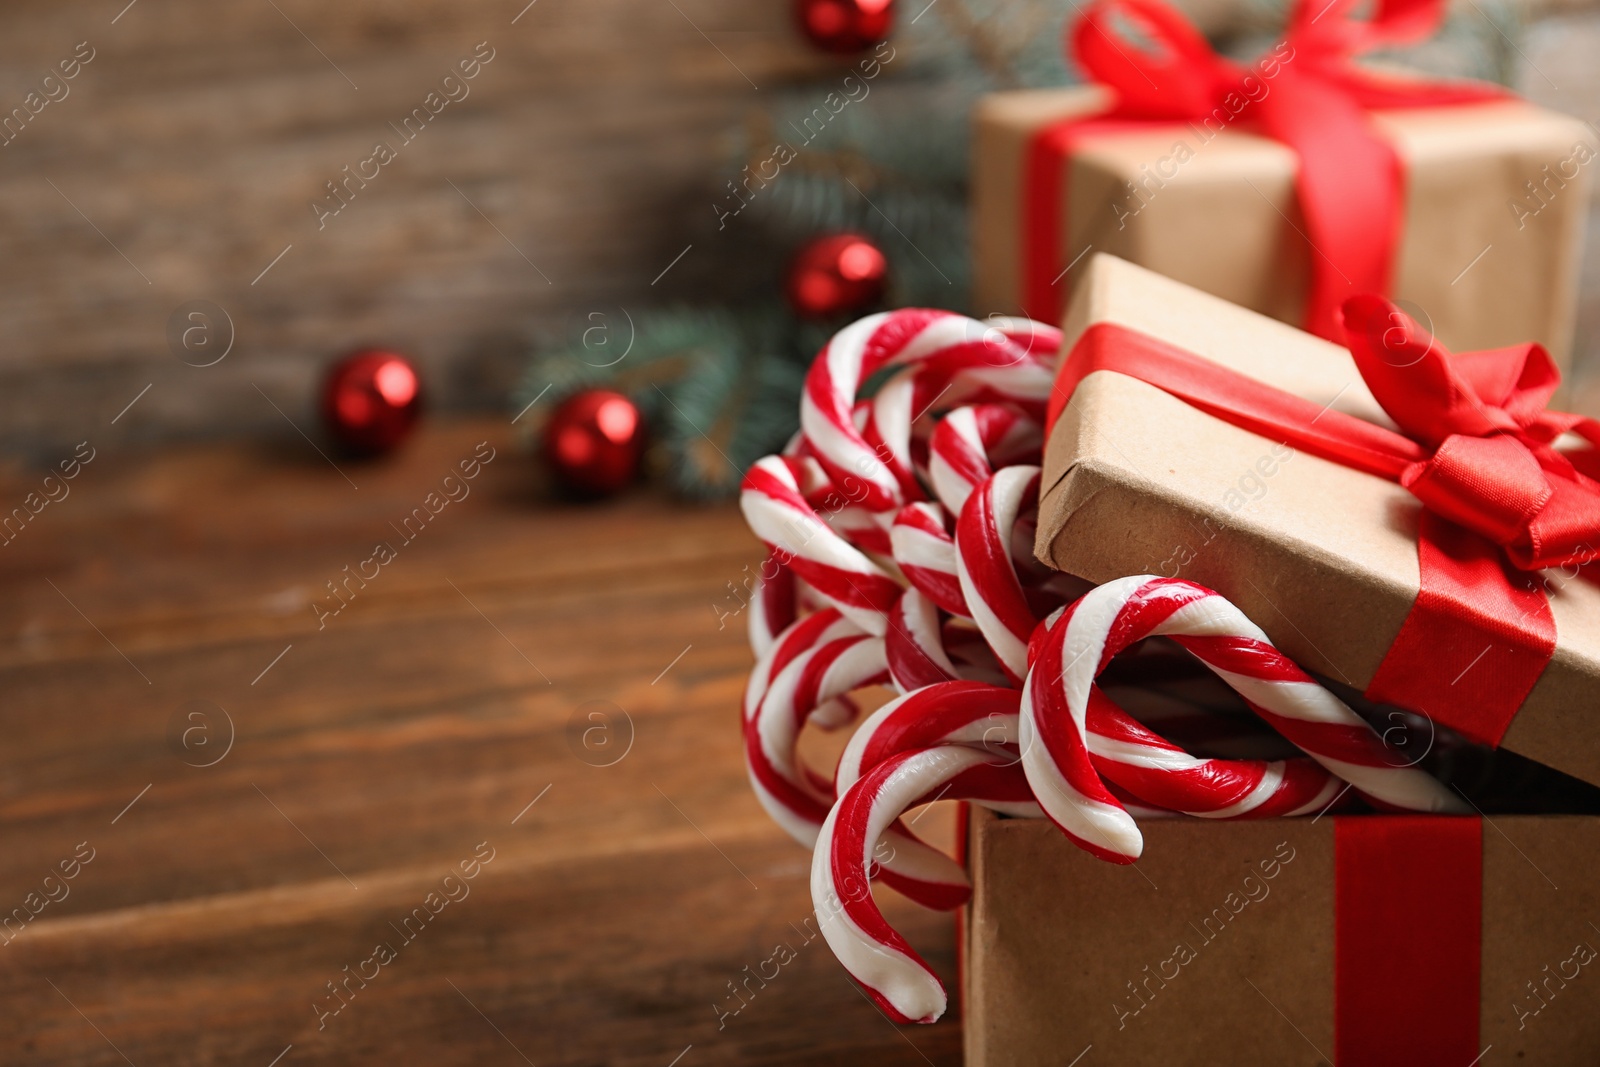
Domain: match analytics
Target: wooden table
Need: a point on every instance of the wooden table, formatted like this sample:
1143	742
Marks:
268	795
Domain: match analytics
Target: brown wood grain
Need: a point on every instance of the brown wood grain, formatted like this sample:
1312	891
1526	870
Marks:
379	752
185	157
187	152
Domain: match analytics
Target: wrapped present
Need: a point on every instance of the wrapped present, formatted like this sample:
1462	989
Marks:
902	529
1410	524
1286	184
1358	941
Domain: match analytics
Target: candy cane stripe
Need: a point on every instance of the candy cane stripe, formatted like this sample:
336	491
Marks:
989	582
927	555
1119	613
780	516
875	955
914	644
771	734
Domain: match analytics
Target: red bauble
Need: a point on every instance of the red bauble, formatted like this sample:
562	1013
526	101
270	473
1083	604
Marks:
844	26
371	400
837	275
594	442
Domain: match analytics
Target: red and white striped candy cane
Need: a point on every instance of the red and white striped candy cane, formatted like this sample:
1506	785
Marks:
1151	770
914	644
1197	727
970	442
1012	358
841	573
866	530
773	605
818	669
1110	618
877	957
887	429
926	555
1158	772
796	798
946	713
984	564
923	648
808	633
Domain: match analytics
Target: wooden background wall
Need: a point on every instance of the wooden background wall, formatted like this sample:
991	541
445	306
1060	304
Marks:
183	161
187	153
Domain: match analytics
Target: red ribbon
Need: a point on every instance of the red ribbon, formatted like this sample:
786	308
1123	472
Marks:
1349	180
1408	934
1475	448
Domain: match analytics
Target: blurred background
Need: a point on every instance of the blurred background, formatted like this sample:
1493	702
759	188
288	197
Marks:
591	153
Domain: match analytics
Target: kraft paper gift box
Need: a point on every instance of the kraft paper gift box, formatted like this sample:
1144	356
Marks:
1357	941
1322	556
1493	209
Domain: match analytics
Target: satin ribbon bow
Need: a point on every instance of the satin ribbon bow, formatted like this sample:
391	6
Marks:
1309	94
1480	417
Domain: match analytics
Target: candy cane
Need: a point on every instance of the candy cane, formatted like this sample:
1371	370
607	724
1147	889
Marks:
946	713
1013	358
773	605
989	581
1158	772
887	429
1195	727
877	957
926	554
818	670
866	530
914	644
923	649
805	635
1113	616
947	613
1024	373
970	442
794	799
827	404
775	509
1151	770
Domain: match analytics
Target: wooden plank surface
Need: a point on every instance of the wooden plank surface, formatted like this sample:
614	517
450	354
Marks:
182	161
439	714
184	157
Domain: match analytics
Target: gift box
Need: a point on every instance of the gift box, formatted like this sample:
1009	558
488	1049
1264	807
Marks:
1192	438
1284	185
1358	941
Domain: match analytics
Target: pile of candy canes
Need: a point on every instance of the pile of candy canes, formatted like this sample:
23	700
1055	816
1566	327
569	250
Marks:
873	581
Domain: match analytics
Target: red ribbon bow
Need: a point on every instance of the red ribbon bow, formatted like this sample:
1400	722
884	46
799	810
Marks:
1492	467
1308	94
1476	448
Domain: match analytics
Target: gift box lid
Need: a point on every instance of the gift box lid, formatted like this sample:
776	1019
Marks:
1323	557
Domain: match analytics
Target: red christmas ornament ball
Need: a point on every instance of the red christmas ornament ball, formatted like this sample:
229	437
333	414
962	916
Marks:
844	26
836	275
371	400
594	442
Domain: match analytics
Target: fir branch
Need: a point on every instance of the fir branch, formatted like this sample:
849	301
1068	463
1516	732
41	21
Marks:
994	42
